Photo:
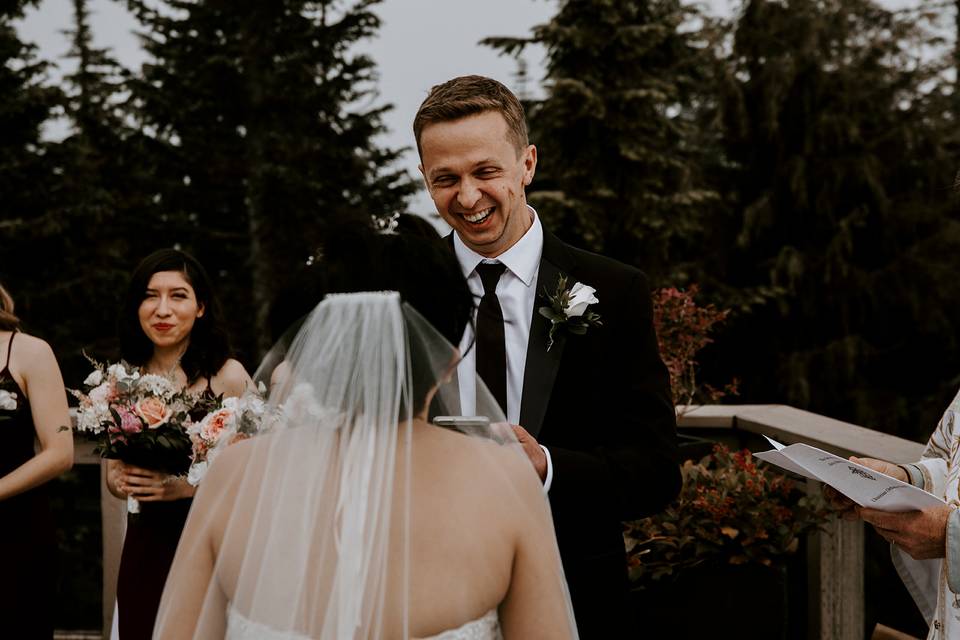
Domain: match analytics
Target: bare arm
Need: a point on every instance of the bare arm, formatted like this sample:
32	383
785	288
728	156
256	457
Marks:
536	604
186	591
194	602
34	363
232	381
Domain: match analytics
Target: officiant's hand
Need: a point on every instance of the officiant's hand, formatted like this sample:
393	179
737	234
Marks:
846	507
922	534
532	448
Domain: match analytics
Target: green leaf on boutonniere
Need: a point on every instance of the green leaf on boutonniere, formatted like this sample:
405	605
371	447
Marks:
568	308
551	315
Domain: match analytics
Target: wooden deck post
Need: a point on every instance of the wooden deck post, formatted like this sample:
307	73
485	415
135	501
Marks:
835	585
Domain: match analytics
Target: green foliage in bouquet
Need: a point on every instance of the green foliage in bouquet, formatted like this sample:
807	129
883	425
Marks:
730	511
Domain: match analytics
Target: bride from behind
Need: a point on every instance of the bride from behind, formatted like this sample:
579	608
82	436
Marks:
354	516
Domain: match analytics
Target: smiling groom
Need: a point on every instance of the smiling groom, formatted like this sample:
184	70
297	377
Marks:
583	384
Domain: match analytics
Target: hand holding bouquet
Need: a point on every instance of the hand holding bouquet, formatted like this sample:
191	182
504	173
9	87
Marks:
139	418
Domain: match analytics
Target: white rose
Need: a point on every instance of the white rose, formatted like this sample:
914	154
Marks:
581	297
196	473
101	394
119	372
95	378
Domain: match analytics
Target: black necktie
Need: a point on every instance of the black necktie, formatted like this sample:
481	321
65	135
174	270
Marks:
491	348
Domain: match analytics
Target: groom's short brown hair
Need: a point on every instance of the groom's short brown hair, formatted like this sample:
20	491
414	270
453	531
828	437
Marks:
467	96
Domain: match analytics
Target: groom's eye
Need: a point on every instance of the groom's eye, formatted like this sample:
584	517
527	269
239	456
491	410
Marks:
442	181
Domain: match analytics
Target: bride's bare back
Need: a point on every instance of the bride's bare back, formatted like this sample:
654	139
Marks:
480	538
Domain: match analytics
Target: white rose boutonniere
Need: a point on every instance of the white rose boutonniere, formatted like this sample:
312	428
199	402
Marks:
568	309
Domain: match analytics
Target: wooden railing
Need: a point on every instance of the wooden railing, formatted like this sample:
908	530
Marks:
835	557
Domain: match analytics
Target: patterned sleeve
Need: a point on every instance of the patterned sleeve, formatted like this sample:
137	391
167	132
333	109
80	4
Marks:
934	462
953	551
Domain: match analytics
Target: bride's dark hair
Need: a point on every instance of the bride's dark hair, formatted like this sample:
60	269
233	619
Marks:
421	268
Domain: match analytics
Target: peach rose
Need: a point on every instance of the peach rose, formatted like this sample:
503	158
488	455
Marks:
214	424
153	411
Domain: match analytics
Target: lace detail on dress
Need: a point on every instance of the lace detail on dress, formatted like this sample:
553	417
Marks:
486	627
483	628
241	628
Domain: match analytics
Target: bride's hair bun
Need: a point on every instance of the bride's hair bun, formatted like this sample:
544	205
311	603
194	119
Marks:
412	260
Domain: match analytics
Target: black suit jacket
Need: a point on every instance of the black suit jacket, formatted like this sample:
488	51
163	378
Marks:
601	404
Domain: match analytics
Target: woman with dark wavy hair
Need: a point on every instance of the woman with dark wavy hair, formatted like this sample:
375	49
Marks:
171	324
33	407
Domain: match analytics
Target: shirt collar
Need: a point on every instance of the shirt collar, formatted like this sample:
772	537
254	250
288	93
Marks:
522	259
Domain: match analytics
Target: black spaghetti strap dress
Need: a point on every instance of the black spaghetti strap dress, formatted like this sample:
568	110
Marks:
28	544
148	549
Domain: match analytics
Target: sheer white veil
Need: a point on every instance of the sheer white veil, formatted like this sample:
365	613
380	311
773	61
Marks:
341	519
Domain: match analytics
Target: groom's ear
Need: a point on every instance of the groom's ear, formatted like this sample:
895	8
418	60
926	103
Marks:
529	164
424	176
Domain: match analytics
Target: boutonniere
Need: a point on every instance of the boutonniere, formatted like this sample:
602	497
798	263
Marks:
568	309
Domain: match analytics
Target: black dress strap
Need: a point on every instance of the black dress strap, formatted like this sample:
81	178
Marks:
9	350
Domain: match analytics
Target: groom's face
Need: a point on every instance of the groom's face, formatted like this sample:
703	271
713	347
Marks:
476	177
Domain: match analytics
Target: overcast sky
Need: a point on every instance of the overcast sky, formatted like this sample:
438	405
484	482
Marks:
421	43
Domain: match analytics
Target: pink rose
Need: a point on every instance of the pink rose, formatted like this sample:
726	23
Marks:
214	424
153	411
129	422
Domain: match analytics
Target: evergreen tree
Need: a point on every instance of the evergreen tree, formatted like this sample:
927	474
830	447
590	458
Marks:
263	134
833	127
29	230
619	168
102	193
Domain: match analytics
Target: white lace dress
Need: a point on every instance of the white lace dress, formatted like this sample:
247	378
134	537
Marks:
487	627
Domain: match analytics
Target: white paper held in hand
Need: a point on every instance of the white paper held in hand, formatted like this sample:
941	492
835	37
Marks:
866	487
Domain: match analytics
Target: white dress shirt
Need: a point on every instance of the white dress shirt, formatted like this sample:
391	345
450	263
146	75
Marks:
517	293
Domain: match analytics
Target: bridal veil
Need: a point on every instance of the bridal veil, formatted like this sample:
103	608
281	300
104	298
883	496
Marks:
352	516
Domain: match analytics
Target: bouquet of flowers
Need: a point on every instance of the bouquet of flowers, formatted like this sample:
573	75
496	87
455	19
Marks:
233	420
139	418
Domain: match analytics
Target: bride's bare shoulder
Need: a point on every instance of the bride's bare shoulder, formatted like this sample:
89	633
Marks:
462	453
236	459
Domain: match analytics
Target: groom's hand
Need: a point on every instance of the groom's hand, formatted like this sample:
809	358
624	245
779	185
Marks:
533	451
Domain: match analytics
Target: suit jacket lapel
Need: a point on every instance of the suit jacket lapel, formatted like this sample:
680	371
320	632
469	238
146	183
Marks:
541	367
